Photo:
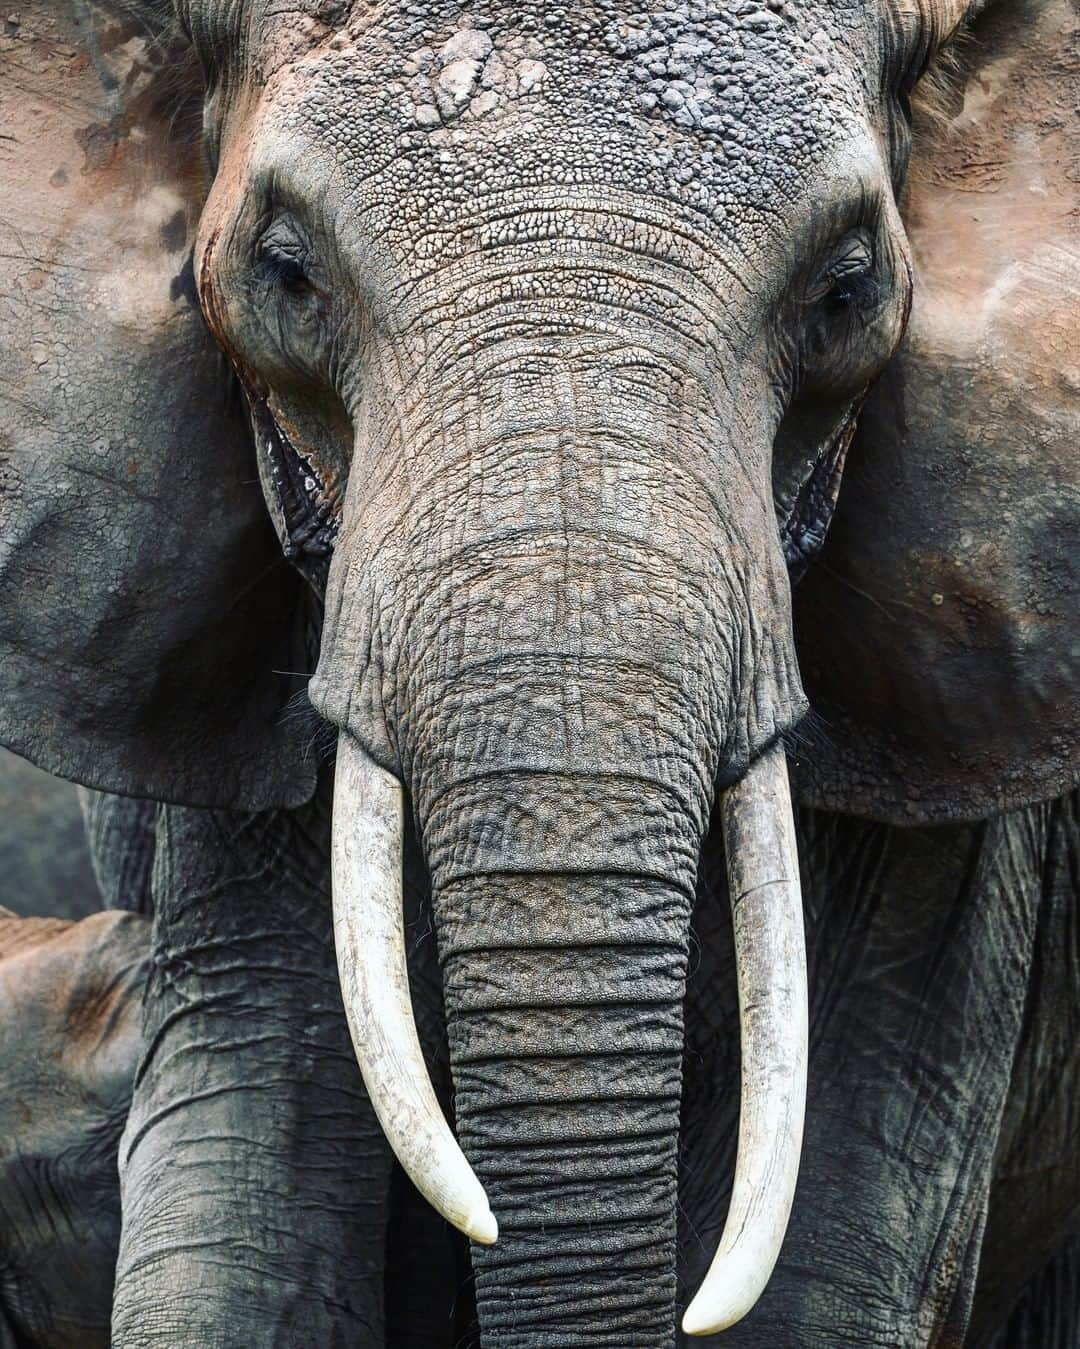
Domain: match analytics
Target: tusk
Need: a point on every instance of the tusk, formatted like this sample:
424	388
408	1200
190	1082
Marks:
370	939
770	961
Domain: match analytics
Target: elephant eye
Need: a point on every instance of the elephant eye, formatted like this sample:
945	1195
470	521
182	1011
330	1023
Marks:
287	272
857	290
281	264
850	314
849	280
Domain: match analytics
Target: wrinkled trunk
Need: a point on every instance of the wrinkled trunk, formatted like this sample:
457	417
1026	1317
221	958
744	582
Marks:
561	773
577	990
589	627
564	998
563	983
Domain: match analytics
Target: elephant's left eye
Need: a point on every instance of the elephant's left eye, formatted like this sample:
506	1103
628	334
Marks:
284	269
283	258
288	300
850	318
853	289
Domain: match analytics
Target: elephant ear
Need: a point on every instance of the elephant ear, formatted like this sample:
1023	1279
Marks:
938	635
147	611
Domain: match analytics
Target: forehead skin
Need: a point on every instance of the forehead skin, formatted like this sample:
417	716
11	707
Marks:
419	111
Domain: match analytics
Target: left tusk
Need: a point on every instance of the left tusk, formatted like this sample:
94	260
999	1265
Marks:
366	851
770	962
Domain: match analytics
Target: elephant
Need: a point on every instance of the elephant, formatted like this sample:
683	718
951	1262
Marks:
69	1047
421	424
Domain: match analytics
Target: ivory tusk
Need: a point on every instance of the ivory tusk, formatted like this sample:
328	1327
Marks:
370	939
770	959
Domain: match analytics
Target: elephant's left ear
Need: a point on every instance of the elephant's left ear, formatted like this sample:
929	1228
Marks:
939	635
146	612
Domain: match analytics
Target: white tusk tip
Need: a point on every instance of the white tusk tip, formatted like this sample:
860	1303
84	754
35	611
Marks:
700	1320
482	1227
693	1323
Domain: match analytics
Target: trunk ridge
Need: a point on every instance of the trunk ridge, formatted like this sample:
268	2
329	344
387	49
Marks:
564	996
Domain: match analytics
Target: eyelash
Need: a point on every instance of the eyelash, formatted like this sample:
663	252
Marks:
859	289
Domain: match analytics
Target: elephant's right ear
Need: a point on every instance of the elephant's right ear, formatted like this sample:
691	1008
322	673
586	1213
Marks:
939	633
148	620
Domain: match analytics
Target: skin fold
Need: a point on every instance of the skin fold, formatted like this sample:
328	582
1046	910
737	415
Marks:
474	382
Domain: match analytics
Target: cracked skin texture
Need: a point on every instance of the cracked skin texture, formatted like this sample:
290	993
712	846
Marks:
451	226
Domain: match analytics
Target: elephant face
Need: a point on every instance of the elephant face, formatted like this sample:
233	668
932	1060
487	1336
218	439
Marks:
553	326
555	357
446	257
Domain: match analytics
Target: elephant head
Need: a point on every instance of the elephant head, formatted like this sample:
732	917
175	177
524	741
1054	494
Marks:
553	325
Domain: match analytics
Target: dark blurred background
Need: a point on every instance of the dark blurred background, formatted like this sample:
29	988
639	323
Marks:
44	859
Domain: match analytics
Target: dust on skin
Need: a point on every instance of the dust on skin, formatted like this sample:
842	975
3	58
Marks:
979	485
997	202
993	216
95	124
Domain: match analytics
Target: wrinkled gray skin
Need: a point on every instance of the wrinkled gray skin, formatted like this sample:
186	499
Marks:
938	1168
559	511
557	350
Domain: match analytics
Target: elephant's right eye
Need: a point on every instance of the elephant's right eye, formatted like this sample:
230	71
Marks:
288	301
856	289
848	283
283	258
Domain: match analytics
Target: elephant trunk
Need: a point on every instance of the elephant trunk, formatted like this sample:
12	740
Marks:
564	991
579	648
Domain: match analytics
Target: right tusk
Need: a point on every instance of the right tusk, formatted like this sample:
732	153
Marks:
369	935
770	962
